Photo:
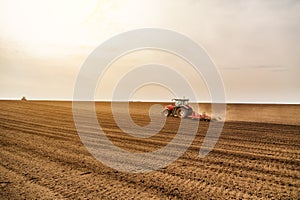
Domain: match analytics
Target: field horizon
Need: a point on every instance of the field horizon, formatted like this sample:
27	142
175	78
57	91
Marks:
250	112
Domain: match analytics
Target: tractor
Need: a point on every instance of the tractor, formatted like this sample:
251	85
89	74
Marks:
182	109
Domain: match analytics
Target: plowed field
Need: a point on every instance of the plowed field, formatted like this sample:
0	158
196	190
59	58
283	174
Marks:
42	157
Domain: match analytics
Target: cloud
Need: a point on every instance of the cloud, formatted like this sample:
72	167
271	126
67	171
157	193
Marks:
255	67
270	67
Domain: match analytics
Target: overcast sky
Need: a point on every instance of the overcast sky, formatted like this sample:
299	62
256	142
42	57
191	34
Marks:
254	44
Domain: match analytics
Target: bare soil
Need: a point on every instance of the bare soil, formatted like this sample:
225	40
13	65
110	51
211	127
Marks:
42	156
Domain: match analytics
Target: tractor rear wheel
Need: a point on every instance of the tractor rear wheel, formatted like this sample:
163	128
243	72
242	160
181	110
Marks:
182	113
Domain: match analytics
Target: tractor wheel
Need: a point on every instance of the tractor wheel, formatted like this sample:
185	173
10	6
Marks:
166	112
181	112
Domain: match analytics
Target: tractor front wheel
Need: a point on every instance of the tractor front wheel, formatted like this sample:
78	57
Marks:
166	112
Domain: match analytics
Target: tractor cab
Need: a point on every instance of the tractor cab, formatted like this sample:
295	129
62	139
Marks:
181	102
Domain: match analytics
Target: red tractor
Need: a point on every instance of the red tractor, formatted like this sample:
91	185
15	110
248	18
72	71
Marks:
182	109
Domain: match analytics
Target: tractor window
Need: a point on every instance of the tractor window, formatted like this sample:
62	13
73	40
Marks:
181	102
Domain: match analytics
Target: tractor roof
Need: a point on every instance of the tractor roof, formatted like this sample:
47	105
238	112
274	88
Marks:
180	99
